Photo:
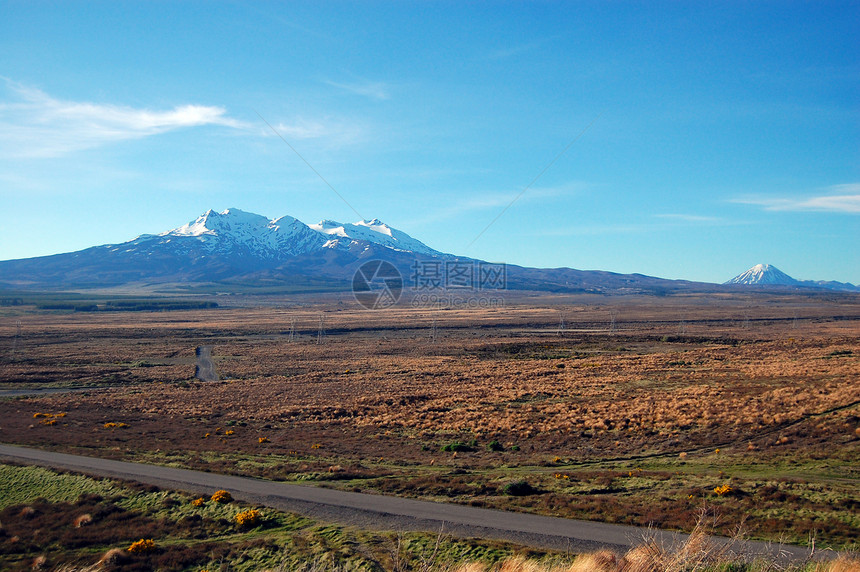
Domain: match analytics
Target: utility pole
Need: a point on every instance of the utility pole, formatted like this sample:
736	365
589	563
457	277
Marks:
17	337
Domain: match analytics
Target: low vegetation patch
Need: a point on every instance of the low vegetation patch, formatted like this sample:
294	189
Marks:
685	405
137	527
460	447
142	528
519	489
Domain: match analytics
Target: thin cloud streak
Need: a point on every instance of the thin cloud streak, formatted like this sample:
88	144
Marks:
494	201
687	218
843	199
335	132
516	50
37	125
372	90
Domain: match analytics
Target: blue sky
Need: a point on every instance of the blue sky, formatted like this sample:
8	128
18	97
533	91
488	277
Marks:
704	137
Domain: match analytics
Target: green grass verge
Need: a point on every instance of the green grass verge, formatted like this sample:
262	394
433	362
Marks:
38	503
792	497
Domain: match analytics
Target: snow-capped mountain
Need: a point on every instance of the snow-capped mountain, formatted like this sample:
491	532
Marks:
764	274
374	231
240	251
234	231
769	275
228	245
286	236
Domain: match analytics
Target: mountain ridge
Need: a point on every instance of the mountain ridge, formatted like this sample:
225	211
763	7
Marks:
762	275
286	235
244	249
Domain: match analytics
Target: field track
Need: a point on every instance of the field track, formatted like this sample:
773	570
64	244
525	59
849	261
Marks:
205	366
389	513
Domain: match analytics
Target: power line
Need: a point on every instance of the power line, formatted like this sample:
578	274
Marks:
539	175
275	131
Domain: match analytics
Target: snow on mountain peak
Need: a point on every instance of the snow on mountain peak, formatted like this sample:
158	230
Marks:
285	221
374	231
326	226
376	225
256	234
763	274
229	220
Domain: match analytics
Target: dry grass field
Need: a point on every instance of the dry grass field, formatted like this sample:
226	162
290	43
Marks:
642	410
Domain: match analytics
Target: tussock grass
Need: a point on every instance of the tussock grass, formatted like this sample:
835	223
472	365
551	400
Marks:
23	484
642	561
699	553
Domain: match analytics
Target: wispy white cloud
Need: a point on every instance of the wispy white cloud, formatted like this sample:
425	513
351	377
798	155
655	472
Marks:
687	218
836	199
34	124
452	209
494	202
371	89
333	131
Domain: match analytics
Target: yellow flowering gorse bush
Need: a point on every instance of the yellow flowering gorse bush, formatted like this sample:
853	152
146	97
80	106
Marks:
221	496
249	518
142	545
723	490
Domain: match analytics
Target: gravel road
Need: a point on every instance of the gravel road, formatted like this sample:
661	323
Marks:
386	512
205	366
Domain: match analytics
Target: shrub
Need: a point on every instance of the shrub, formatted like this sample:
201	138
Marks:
723	490
495	446
198	502
458	446
519	489
222	497
142	545
249	518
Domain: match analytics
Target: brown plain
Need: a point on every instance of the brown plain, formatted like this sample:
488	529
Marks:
553	379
